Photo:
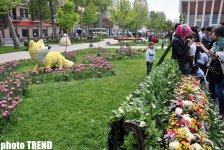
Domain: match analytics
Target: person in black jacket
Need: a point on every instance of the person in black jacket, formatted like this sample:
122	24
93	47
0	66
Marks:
180	47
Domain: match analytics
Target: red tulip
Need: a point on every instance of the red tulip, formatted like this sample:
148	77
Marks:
190	97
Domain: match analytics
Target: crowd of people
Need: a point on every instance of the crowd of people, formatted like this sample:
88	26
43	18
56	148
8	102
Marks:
198	53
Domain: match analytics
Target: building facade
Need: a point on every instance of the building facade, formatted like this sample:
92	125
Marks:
202	13
25	27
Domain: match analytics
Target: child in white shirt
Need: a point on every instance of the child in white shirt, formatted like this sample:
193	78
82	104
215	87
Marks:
150	57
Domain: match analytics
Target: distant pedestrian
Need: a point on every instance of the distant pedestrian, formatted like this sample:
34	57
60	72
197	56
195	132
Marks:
150	56
163	42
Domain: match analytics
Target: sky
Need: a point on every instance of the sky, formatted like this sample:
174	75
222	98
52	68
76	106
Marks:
169	7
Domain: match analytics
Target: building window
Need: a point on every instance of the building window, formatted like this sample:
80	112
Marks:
206	20
14	17
45	32
35	33
191	23
23	13
222	18
25	32
199	20
215	19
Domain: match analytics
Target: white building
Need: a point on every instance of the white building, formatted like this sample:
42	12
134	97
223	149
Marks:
202	12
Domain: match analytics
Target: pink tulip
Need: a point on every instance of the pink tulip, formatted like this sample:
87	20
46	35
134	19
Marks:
17	98
12	107
11	93
10	100
12	89
5	114
3	106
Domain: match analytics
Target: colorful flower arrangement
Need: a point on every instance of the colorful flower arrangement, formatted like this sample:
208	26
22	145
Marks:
148	108
188	123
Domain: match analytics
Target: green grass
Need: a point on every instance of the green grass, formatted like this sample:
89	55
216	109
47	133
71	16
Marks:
75	115
10	49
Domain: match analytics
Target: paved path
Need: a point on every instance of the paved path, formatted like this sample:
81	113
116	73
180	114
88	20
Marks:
58	48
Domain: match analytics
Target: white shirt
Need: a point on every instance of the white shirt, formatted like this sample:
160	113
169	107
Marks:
201	35
204	59
192	49
150	55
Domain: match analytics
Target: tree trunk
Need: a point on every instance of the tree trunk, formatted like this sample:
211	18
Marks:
41	29
12	31
54	35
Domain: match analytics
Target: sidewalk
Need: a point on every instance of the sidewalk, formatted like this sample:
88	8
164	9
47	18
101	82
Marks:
25	54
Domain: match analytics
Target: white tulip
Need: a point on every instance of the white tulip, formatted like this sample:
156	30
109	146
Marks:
174	145
178	111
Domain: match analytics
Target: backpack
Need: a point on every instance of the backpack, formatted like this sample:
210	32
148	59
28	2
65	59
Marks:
214	72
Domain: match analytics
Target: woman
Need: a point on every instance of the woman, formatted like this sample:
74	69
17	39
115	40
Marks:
180	47
216	87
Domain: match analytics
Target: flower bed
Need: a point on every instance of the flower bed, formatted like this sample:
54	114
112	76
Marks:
127	51
7	67
93	67
111	56
150	119
11	90
189	124
128	39
70	55
147	108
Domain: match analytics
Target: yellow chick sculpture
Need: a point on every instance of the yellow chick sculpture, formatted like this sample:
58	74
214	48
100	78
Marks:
42	57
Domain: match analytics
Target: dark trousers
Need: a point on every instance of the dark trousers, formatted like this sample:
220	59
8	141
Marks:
203	68
149	67
182	66
162	46
216	89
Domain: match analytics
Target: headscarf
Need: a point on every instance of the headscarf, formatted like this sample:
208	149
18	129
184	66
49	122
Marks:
183	31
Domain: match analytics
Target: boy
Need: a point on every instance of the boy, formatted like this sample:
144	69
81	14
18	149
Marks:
150	57
163	42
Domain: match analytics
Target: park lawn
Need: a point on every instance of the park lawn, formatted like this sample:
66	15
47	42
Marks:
75	115
10	49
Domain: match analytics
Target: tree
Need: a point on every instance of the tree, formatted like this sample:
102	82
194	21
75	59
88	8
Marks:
156	21
182	18
102	5
39	10
168	26
5	9
66	16
121	14
90	15
138	16
53	4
